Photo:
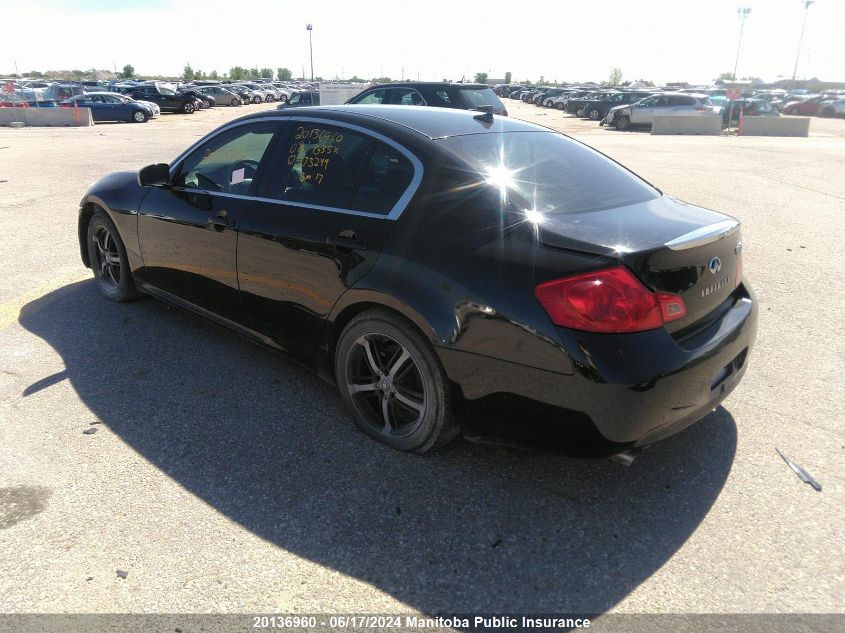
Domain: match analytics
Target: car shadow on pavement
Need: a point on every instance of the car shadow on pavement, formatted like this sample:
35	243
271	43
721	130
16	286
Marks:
468	529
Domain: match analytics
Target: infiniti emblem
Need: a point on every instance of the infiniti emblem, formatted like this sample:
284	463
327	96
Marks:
715	265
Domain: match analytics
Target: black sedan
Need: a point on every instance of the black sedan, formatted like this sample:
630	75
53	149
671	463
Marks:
438	94
423	258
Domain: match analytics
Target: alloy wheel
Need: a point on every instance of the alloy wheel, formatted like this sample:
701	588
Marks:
385	385
139	117
107	258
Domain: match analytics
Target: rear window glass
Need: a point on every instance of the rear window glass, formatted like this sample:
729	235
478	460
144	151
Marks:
549	173
477	97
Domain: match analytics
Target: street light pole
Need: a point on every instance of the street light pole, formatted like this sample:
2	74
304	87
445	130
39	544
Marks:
309	28
742	12
807	4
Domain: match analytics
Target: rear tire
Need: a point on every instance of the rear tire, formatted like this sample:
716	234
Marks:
107	256
828	112
257	99
594	114
393	383
283	99
622	123
235	102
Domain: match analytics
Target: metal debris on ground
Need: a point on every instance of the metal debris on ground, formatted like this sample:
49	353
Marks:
122	574
90	430
803	475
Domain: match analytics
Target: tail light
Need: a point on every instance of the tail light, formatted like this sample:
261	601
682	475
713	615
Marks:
611	300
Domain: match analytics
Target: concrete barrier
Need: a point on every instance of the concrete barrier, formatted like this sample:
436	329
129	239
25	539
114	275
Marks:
47	117
775	126
710	124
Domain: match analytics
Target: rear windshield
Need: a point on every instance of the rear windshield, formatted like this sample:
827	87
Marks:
476	97
549	173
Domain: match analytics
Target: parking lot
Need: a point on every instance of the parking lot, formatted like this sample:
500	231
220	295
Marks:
222	477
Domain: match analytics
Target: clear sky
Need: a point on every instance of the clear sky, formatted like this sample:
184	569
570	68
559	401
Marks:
661	40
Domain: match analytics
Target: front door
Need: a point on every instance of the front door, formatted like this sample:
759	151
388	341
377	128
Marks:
188	231
336	193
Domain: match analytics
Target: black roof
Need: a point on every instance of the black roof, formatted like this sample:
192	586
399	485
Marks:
430	122
428	84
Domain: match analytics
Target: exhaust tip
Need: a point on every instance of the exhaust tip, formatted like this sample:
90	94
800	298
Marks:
626	458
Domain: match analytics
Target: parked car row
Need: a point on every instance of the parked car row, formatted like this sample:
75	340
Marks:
628	108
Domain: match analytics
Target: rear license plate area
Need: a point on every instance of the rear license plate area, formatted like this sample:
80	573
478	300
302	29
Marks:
723	378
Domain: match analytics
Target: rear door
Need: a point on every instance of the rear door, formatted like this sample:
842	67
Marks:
328	202
644	113
99	111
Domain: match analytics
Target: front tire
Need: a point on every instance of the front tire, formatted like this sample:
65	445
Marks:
393	383
107	256
257	99
188	108
283	99
594	114
235	102
139	117
622	123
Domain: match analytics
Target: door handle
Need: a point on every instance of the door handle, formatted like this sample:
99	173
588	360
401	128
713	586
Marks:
220	221
346	239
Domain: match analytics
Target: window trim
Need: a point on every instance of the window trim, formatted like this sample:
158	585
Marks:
394	214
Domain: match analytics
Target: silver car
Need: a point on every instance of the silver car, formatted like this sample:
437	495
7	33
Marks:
670	103
220	95
832	107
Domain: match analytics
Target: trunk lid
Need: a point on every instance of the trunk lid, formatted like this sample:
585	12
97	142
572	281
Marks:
670	246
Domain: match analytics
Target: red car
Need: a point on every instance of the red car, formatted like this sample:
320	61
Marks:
806	106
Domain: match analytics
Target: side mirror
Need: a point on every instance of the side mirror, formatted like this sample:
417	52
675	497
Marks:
154	175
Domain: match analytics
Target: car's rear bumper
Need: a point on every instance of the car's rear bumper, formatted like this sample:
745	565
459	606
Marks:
634	389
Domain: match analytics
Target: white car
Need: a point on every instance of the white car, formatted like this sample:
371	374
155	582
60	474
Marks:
832	107
152	106
283	93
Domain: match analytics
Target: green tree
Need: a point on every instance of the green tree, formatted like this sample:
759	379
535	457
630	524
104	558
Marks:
481	78
382	80
237	73
35	74
508	77
188	72
213	75
267	73
128	71
283	74
254	73
615	76
726	76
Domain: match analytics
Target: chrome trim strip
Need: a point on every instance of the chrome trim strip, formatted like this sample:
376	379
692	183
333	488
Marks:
704	235
394	213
